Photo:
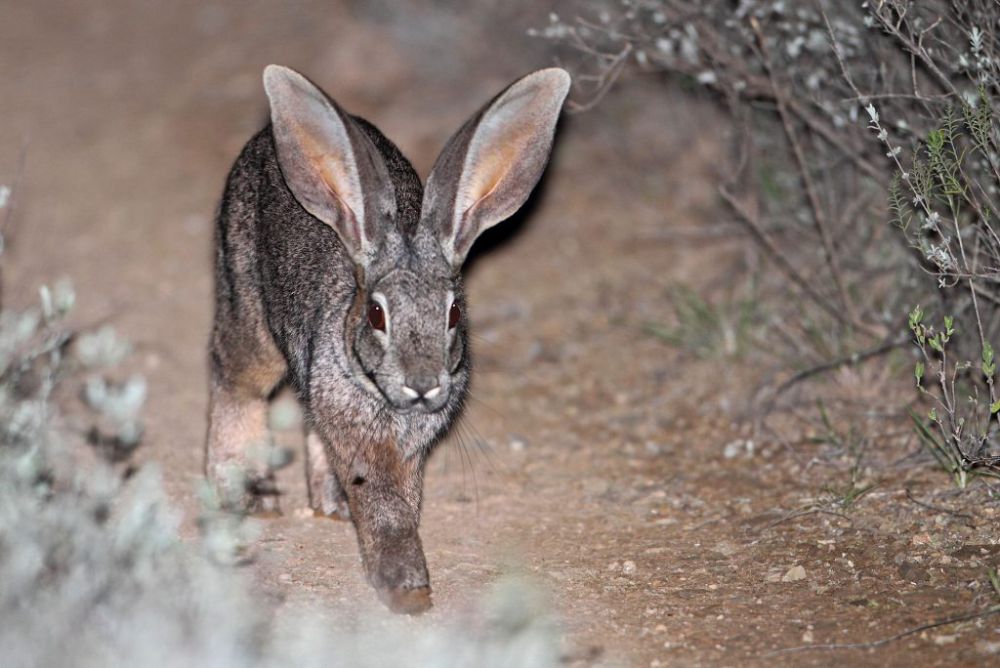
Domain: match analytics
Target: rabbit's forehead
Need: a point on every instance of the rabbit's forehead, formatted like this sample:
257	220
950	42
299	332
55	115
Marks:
407	289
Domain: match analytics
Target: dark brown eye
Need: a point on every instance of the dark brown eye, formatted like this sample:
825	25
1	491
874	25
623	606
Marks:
454	315
376	317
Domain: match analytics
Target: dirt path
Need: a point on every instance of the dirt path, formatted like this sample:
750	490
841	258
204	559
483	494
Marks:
592	456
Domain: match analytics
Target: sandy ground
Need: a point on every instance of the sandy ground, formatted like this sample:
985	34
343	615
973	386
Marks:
593	456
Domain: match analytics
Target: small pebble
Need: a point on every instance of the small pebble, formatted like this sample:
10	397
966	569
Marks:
738	447
988	647
596	487
794	574
628	568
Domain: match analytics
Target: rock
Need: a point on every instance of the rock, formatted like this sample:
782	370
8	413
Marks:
628	568
518	443
794	574
596	487
738	447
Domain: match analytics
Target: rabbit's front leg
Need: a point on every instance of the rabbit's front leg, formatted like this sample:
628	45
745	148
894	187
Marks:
384	493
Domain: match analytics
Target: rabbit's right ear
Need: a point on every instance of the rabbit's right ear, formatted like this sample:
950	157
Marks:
326	160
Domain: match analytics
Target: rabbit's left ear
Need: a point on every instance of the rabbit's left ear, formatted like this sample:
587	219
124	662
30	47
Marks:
490	166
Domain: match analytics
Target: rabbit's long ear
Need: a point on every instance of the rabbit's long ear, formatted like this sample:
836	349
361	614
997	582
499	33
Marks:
328	162
490	166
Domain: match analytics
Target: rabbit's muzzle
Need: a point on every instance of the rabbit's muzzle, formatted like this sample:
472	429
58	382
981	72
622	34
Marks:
424	393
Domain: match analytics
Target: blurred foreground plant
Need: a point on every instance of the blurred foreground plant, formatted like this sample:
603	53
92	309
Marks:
93	572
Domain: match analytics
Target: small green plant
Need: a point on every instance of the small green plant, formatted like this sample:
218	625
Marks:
852	443
706	328
958	428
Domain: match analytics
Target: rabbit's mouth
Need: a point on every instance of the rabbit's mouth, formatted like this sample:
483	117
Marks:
421	395
408	400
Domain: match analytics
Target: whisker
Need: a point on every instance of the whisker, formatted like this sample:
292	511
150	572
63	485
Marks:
479	402
472	467
483	446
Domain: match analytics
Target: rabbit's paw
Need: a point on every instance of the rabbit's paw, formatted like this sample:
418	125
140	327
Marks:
408	601
400	578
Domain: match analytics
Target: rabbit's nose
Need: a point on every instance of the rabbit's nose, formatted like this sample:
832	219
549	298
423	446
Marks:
422	387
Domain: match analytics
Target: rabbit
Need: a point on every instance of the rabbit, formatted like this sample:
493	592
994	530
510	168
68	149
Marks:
339	272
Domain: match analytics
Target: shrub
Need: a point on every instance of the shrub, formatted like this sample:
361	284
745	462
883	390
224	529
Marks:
93	573
835	104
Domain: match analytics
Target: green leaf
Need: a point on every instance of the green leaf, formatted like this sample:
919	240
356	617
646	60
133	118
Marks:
916	315
935	342
918	371
995	407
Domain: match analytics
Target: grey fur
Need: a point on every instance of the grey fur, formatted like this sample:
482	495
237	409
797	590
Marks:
321	217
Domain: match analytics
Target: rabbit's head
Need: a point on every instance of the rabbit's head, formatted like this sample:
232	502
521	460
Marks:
406	331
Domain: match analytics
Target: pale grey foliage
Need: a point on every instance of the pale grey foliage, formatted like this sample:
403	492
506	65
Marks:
93	572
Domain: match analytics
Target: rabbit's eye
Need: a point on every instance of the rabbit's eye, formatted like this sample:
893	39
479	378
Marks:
454	315
376	317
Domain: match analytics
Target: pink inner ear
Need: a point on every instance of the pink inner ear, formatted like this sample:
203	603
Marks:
318	161
486	179
491	168
330	167
328	171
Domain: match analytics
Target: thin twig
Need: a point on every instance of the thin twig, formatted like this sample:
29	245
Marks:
606	80
938	509
819	215
917	51
885	641
785	264
847	360
796	514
